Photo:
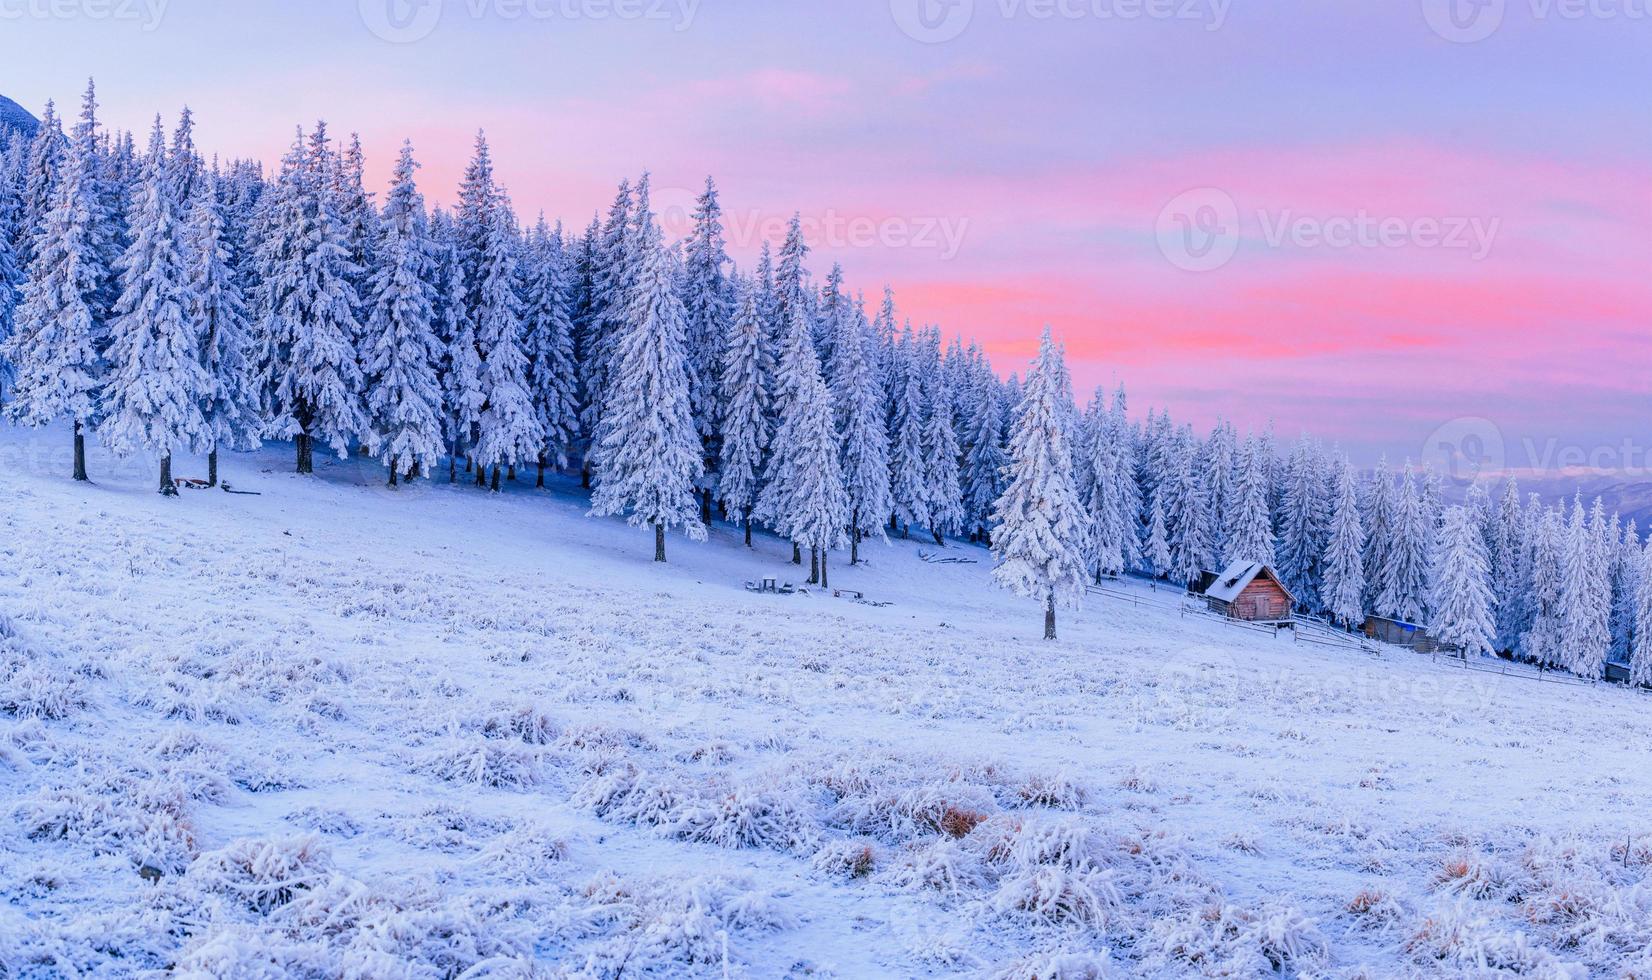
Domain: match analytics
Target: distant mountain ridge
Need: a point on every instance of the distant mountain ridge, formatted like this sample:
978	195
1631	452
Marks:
15	117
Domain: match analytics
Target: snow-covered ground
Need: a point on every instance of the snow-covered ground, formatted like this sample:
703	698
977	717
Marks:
340	730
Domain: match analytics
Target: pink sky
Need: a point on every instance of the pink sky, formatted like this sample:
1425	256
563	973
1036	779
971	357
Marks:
1019	174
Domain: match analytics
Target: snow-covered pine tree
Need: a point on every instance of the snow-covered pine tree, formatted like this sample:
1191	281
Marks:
790	275
745	402
1038	524
184	169
907	489
1250	531
1626	581
217	311
1184	514
11	271
985	459
1585	596
547	335
1462	602
859	398
311	379
404	397
509	430
156	382
462	395
707	302
1507	549
1540	644
1404	582
1343	593
1640	655
804	497
1305	525
1378	511
1217	465
616	260
1155	552
942	493
359	225
48	153
649	449
54	347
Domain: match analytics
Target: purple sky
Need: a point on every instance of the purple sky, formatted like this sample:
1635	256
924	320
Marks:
1366	220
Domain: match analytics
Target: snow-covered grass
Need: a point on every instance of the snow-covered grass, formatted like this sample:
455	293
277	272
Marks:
338	730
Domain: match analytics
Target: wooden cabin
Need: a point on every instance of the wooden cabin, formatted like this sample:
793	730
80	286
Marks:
1400	634
1250	591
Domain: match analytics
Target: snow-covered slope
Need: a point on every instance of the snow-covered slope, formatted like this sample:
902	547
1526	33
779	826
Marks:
334	729
15	117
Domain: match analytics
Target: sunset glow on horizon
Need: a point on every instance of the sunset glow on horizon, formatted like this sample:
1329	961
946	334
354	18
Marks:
1256	212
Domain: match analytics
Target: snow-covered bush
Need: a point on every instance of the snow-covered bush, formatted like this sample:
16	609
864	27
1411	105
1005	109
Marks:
482	761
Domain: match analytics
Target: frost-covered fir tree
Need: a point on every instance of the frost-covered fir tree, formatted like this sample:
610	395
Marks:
1038	525
548	338
1107	492
942	492
462	395
1184	516
1585	595
985	458
707	303
1462	601
404	397
745	406
908	490
1626	576
509	432
1507	549
11	270
859	398
1640	651
1250	532
311	382
1155	551
649	449
156	382
1379	514
44	165
54	349
1540	643
1217	465
1343	592
1403	583
218	312
1305	524
614	260
803	497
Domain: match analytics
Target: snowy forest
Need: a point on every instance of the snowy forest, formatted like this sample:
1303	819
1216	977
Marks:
168	303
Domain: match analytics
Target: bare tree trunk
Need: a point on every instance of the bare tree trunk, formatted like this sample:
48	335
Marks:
80	453
585	478
938	542
814	566
824	583
797	554
854	545
539	482
705	506
748	530
453	462
415	471
1049	616
481	474
306	454
659	542
393	471
495	487
894	522
510	472
168	488
212	468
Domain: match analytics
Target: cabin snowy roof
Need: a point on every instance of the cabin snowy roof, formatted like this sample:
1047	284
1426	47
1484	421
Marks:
1238	575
